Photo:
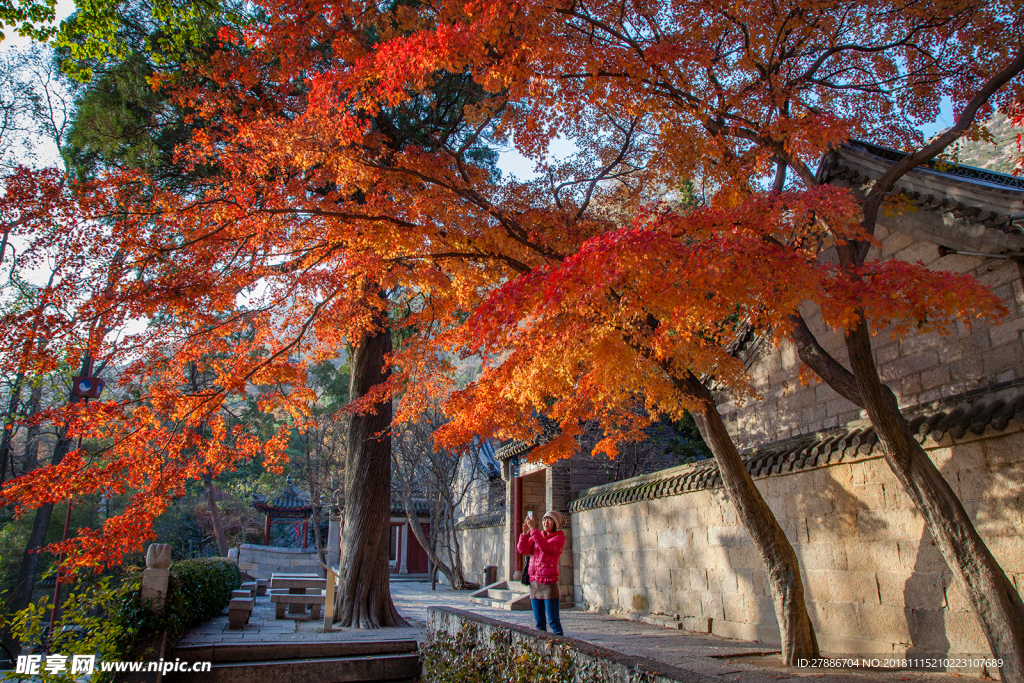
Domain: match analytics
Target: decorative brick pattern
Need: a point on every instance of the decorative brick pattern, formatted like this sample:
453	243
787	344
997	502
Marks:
954	417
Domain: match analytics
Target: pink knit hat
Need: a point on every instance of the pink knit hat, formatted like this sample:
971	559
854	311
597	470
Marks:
556	517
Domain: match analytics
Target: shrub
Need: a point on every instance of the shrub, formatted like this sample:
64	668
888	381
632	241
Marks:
125	628
463	659
199	589
468	658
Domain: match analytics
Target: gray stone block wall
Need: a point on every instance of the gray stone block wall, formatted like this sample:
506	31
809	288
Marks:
875	582
920	368
260	561
481	547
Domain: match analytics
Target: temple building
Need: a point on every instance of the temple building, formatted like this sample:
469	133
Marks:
667	547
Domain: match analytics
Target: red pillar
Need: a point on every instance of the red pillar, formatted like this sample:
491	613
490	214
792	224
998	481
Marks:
266	530
305	533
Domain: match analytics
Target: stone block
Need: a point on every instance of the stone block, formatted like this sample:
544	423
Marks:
679	578
924	590
872	556
744	557
921	555
696	624
674	538
811	503
735	607
911	385
910	365
816	586
238	618
698	579
1009	552
712	605
1008	331
927	629
859	587
824	556
722	581
964	634
1006	358
883	622
936	377
750	581
728	536
955	600
763	611
1008	449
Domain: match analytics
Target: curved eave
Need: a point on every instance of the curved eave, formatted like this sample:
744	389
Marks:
960	207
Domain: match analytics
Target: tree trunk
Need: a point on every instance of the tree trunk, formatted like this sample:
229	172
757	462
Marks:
796	630
21	593
34	434
454	575
992	596
364	598
8	434
218	526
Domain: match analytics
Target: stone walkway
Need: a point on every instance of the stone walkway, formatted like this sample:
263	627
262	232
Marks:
724	659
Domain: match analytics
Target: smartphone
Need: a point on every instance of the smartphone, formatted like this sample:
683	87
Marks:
529	515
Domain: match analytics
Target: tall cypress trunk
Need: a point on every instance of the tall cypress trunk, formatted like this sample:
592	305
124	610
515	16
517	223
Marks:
795	628
992	596
364	597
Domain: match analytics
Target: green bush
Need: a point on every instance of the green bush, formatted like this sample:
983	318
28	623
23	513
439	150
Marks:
198	590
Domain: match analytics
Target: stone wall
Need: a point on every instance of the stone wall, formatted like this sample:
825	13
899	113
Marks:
260	561
920	368
482	546
591	662
875	582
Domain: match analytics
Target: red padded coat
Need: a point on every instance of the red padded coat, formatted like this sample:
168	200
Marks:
544	551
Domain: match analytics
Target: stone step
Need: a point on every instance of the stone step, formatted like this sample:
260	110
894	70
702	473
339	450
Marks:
352	669
517	604
502	595
268	651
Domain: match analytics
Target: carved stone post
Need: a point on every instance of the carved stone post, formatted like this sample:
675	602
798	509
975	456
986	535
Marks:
156	575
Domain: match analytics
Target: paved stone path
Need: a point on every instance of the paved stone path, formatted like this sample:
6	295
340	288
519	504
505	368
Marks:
722	658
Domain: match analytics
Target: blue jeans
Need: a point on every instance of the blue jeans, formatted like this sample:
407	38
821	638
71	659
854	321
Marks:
551	607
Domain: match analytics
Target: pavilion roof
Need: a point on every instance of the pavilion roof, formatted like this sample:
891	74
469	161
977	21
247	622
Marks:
290	500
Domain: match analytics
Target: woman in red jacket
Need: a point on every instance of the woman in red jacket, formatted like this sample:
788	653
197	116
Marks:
544	548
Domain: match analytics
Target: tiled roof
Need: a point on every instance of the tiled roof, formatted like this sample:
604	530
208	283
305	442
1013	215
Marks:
955	206
857	441
290	499
512	449
478	521
420	505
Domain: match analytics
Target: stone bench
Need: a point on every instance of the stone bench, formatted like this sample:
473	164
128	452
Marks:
283	599
297	584
239	611
261	587
250	587
242	593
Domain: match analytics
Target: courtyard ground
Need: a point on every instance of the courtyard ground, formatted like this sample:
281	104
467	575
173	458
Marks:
723	659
